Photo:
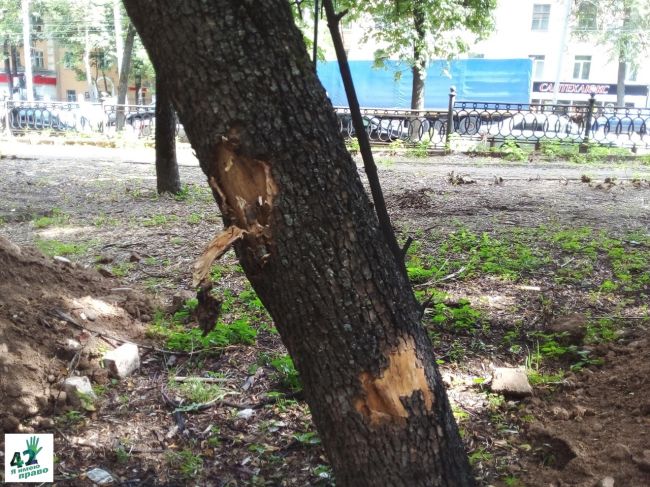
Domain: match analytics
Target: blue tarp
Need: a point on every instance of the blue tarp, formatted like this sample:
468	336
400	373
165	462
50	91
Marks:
481	80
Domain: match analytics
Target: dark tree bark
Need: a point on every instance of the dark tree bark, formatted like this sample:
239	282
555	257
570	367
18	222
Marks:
419	59
267	138
125	70
10	79
167	178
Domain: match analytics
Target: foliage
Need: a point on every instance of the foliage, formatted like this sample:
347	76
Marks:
623	26
512	151
57	218
56	247
286	372
186	462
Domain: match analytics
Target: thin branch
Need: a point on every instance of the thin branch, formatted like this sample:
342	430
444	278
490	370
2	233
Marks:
370	167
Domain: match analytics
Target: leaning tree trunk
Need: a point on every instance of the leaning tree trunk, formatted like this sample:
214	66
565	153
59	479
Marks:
167	178
267	138
10	79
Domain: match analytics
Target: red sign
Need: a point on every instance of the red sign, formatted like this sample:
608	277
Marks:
38	79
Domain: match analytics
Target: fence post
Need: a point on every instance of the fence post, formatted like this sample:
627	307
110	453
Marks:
590	114
450	117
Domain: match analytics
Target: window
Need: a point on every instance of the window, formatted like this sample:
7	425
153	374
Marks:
37	59
538	65
72	95
541	13
587	15
581	67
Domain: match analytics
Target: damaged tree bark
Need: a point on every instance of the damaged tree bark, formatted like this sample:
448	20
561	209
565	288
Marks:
306	235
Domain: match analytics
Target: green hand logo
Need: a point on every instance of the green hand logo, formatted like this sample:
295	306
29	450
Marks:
32	450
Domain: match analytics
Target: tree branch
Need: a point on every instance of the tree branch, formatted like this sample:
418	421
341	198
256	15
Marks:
370	167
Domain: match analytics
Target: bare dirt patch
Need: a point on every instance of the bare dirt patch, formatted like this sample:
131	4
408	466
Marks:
577	429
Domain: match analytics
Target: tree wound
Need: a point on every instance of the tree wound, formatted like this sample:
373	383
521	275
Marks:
245	190
381	400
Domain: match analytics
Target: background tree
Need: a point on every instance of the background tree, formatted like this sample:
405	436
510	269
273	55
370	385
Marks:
623	26
168	179
417	31
295	210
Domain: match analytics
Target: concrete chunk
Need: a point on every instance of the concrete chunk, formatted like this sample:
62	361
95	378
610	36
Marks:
511	382
79	392
122	361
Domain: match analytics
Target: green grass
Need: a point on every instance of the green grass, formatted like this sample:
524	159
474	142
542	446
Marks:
158	220
63	249
185	462
56	219
197	391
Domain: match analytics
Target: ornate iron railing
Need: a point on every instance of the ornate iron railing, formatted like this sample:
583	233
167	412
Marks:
21	116
492	123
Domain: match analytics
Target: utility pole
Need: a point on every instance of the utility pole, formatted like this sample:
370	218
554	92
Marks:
27	51
560	54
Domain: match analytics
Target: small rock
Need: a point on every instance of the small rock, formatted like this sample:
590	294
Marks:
122	361
90	314
46	423
145	318
100	477
135	257
51	379
59	398
620	452
560	413
10	424
579	411
606	482
100	376
84	364
79	391
246	413
511	382
63	261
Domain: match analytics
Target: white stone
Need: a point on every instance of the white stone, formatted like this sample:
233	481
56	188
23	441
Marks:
122	361
63	260
99	476
511	382
79	391
606	482
245	413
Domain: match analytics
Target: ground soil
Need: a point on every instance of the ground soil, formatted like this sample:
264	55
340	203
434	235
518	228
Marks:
591	425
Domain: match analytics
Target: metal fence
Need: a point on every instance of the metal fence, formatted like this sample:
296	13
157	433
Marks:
496	123
487	123
60	117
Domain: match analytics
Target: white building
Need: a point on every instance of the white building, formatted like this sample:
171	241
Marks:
541	30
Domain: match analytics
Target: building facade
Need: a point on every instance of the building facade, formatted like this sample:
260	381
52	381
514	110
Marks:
542	31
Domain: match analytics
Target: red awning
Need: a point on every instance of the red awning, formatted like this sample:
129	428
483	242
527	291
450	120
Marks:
39	79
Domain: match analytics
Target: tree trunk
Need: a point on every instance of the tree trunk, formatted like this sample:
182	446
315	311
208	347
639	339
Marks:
419	58
267	138
92	91
620	82
10	79
167	178
125	70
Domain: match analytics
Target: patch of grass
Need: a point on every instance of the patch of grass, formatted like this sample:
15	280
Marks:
197	391
512	152
308	438
56	219
286	372
195	218
121	269
105	221
479	456
158	220
419	150
56	247
185	462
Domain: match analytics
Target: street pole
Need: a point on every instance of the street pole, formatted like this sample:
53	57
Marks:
27	52
560	54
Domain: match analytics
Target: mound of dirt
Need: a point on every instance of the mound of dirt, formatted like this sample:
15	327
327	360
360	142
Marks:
45	305
596	426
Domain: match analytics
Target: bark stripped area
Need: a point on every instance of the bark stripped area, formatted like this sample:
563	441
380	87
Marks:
244	189
404	376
